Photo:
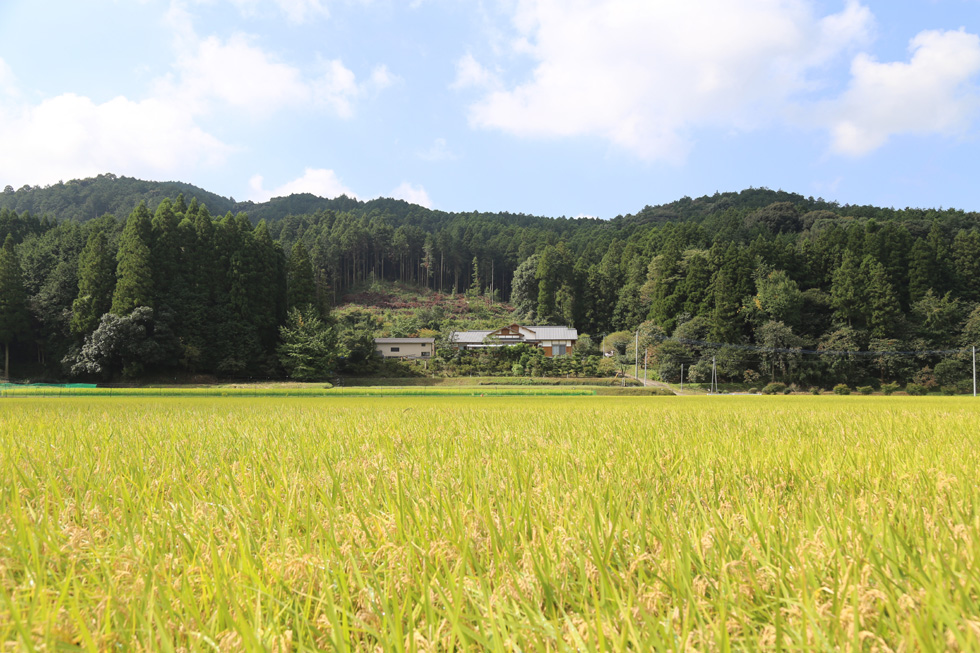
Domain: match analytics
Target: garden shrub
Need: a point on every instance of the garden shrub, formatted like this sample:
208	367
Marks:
842	389
774	388
865	389
916	390
889	388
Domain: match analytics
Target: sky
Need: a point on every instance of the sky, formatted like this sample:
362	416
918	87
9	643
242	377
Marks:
546	107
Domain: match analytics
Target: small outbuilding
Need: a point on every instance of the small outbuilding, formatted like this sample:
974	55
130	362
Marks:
406	347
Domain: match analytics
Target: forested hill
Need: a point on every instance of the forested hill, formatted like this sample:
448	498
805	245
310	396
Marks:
81	200
213	280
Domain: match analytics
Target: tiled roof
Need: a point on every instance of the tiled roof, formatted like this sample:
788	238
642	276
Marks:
540	333
554	332
470	337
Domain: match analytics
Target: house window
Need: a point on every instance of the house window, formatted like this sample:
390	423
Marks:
394	350
425	353
558	350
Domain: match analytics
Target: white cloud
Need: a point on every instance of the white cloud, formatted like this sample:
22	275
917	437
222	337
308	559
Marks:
70	136
470	73
412	194
238	74
296	11
7	80
318	181
337	87
438	151
643	74
933	93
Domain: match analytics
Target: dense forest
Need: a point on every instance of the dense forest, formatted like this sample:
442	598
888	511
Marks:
766	284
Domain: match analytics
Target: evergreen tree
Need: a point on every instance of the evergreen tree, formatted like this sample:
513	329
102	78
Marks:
14	316
96	282
134	274
923	270
847	291
165	257
696	286
263	275
662	286
884	309
724	324
966	261
300	288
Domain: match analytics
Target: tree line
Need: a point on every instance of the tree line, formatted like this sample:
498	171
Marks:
178	290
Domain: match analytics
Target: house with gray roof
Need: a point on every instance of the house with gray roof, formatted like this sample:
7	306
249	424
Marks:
555	340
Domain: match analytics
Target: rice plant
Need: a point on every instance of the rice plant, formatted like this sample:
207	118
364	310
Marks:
534	524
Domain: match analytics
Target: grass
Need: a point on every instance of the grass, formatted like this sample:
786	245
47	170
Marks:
311	390
424	523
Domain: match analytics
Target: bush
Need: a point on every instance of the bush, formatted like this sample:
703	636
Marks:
842	389
815	390
787	391
916	390
949	390
865	389
753	391
774	388
889	388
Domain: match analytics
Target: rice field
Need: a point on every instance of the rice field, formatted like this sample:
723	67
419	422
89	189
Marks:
494	523
310	390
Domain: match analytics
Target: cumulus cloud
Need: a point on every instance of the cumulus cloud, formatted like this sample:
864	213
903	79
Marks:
643	74
70	136
238	73
934	92
412	194
161	134
318	181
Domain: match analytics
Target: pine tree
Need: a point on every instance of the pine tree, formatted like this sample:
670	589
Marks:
724	323
884	309
165	257
14	317
300	288
923	269
96	282
134	274
966	259
263	275
847	292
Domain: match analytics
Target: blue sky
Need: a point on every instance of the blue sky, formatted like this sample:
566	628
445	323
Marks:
550	107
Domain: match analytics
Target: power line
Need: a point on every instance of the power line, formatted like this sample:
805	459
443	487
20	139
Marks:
800	350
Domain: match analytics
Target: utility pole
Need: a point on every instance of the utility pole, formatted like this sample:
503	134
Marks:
636	356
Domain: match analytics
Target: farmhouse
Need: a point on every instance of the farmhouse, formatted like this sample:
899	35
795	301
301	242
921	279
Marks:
405	347
555	340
